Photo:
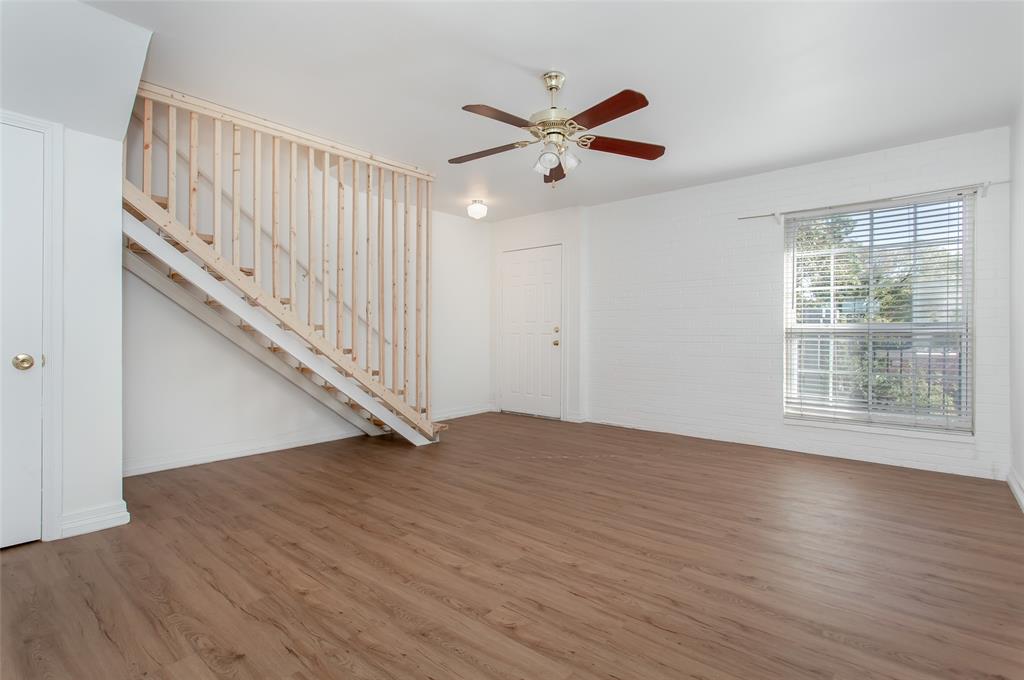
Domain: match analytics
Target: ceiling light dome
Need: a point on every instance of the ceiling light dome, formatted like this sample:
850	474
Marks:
477	209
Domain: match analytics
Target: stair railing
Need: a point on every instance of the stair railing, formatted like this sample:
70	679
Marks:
338	237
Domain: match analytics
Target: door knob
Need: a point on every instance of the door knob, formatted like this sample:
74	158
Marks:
555	343
23	362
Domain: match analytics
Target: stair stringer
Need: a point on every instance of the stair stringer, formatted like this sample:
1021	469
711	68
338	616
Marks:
159	281
265	326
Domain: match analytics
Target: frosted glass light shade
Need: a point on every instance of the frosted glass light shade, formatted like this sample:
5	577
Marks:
570	161
549	156
477	210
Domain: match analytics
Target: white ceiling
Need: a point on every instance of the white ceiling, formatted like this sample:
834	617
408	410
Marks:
735	88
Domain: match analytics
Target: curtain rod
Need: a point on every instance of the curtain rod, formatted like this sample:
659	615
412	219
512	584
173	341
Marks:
983	186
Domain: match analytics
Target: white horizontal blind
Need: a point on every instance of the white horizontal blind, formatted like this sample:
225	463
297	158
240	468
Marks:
878	313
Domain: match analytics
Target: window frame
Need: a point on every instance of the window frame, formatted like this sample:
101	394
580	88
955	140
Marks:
870	419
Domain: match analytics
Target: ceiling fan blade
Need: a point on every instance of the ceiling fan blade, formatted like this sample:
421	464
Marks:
556	174
497	114
484	153
616	106
626	147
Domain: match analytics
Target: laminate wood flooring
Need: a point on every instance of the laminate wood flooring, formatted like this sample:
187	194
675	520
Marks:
522	548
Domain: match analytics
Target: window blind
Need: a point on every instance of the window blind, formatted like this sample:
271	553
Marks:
878	313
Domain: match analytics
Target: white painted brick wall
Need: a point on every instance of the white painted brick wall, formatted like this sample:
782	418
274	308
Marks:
685	305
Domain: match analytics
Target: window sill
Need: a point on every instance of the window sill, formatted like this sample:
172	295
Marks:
959	437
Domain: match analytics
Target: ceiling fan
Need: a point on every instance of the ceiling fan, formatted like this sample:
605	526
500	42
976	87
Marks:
558	129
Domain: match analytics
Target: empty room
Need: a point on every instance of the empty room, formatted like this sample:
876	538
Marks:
511	340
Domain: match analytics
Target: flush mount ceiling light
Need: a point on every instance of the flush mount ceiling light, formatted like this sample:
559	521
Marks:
477	209
557	129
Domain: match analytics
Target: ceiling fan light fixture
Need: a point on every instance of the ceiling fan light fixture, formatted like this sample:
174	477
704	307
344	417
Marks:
557	128
570	161
549	157
477	209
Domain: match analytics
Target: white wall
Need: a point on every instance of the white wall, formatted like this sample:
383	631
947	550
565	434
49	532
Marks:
460	324
1017	303
71	63
684	304
191	396
92	328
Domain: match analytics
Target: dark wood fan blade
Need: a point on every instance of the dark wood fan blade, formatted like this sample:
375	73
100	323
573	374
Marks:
616	106
626	147
557	174
485	152
496	114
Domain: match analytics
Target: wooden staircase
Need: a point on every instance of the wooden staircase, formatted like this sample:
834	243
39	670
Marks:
325	265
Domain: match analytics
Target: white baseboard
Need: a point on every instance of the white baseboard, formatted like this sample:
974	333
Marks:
94	519
1016	481
448	414
228	451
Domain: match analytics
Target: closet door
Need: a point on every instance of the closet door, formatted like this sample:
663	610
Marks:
21	333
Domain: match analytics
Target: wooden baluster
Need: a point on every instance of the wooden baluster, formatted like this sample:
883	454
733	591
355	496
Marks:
406	241
310	218
275	207
419	290
257	203
380	272
355	262
147	147
293	171
429	304
236	195
325	242
193	171
172	160
218	184
394	281
341	255
369	297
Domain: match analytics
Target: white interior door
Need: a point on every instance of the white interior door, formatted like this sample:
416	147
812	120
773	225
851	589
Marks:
21	333
529	337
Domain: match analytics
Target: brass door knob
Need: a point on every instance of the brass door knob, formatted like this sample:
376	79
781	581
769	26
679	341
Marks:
555	343
23	362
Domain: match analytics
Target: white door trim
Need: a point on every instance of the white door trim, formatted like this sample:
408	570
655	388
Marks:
563	303
53	315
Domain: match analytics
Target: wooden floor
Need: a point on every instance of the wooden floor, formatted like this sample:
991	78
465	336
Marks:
528	549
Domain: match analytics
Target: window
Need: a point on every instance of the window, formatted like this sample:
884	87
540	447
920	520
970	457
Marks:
878	314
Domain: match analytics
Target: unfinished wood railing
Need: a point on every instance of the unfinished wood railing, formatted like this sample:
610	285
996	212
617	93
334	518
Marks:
332	241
